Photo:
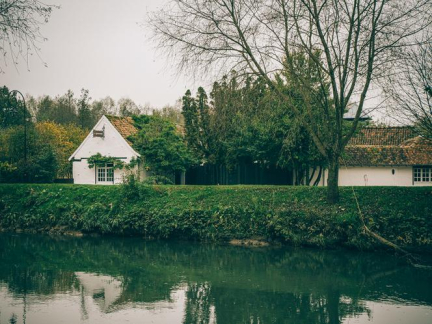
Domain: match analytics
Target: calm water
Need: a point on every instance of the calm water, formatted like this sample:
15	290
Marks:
119	280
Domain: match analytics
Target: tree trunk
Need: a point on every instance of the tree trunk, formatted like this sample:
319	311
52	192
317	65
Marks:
333	181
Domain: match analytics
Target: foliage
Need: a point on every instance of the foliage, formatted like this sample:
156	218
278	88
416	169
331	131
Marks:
290	215
349	51
127	107
67	109
49	146
12	111
84	112
246	122
62	109
64	139
129	187
100	160
197	124
157	180
171	113
106	106
42	167
7	171
161	145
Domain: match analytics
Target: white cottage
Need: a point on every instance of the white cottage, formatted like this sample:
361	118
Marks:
385	156
109	137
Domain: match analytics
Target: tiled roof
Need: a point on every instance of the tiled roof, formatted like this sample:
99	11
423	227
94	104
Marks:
124	125
382	136
387	146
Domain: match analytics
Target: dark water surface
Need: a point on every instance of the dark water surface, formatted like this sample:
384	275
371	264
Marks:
126	280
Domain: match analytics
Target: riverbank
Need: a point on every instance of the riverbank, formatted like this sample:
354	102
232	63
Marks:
296	216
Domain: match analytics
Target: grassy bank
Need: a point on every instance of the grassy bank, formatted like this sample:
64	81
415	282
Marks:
291	215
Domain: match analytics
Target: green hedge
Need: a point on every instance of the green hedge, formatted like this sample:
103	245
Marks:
290	215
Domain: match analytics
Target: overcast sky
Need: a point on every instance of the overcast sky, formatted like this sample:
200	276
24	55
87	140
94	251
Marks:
99	45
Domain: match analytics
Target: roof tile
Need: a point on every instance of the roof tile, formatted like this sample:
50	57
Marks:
387	146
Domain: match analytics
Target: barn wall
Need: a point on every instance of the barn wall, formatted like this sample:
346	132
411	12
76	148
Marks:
375	176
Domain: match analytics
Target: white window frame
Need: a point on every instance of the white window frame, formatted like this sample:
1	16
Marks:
422	174
105	173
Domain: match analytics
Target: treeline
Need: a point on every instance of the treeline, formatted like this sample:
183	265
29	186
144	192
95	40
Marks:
38	136
81	110
241	125
245	123
242	129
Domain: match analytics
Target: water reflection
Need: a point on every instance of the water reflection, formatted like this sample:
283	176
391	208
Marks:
113	280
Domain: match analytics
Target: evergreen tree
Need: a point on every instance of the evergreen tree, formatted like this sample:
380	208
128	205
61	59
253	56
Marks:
11	109
84	113
45	110
161	145
204	123
191	120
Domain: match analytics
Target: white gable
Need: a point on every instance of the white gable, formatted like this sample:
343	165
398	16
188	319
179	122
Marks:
112	144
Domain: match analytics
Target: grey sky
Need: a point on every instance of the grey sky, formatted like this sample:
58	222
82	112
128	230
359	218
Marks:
99	45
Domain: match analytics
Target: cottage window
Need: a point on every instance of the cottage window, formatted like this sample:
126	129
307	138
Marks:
105	173
423	174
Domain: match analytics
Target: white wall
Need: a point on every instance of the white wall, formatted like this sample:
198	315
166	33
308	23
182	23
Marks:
375	176
112	144
82	174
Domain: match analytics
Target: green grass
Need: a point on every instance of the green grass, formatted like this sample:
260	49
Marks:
290	215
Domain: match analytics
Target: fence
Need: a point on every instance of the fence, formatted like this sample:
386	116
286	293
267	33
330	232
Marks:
242	174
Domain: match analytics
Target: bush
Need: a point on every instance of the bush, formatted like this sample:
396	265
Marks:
290	215
157	180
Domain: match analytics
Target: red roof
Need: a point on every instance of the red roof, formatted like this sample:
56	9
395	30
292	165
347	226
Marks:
387	146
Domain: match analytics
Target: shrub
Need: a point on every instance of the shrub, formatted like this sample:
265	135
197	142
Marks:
290	215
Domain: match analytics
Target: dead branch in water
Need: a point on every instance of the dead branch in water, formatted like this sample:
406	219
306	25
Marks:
412	259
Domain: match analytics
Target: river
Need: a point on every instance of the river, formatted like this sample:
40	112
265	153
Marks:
107	280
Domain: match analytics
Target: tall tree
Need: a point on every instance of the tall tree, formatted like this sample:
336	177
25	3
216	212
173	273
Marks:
84	114
190	115
354	39
204	121
171	113
196	112
161	145
61	109
127	107
20	22
102	107
12	110
66	108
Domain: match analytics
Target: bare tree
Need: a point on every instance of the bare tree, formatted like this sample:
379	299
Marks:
127	107
349	41
20	22
409	88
